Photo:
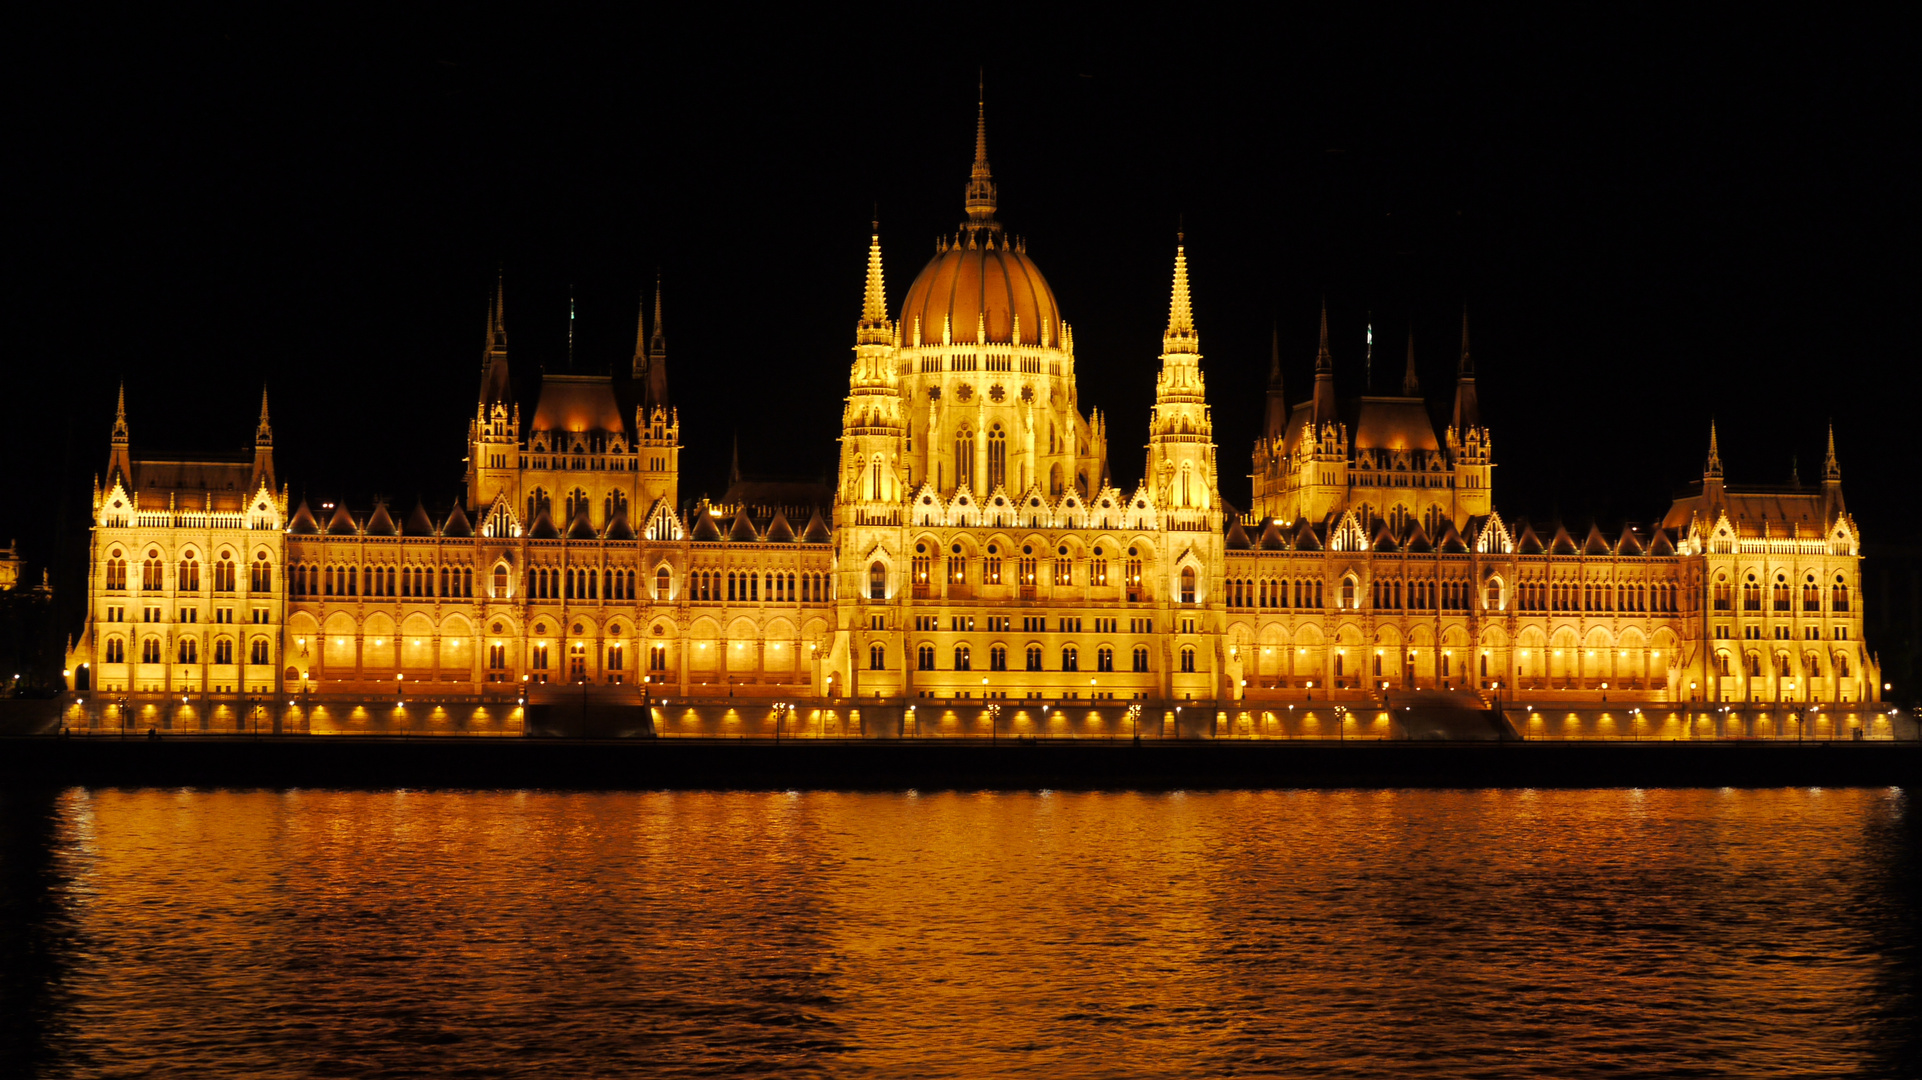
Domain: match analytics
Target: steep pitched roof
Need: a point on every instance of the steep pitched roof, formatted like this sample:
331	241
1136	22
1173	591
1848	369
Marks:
779	531
742	531
342	523
817	531
418	523
381	523
457	524
303	523
705	528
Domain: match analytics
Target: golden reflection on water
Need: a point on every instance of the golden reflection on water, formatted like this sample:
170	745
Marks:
1441	933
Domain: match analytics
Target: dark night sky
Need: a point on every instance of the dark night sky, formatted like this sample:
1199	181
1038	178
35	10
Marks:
1652	222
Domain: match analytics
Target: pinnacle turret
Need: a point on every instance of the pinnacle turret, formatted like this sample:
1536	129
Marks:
1324	376
1410	385
874	300
1276	421
263	432
1714	466
1831	469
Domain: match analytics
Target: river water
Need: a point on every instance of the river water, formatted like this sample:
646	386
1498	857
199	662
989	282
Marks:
194	933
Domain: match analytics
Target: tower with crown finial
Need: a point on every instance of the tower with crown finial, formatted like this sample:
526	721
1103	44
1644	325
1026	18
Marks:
493	434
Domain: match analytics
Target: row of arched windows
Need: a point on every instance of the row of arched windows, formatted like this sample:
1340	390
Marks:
187	650
1782	595
1270	593
308	579
1535	594
998	658
751	586
187	573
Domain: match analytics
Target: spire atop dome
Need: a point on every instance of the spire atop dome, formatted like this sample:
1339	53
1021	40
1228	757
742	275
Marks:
1714	466
1181	336
263	433
981	190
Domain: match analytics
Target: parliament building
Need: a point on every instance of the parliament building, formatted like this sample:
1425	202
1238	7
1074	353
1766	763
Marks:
973	567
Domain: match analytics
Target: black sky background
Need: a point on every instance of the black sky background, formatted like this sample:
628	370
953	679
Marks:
1653	221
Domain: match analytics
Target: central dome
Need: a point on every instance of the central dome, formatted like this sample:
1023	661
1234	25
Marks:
968	282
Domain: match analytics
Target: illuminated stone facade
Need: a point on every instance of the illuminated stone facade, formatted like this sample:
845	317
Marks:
973	548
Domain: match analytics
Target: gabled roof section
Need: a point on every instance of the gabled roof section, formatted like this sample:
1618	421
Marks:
817	531
543	527
706	530
381	523
1563	544
1661	545
1628	543
342	523
1595	543
1271	538
1529	543
580	528
303	523
1237	536
1452	542
618	528
1383	540
779	531
663	523
457	524
1306	539
418	523
742	531
1418	540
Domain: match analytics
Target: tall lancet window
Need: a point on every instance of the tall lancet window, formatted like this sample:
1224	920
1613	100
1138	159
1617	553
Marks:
997	457
964	459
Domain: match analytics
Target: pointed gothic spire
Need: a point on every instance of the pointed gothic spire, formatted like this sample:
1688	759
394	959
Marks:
640	337
1276	422
1468	412
873	328
1324	360
1324	375
981	191
263	448
657	397
734	463
1714	466
1831	469
1180	336
496	387
120	460
120	414
1410	385
657	343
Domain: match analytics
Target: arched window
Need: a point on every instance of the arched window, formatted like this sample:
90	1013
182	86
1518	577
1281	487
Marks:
150	573
1188	659
964	459
874	470
1839	595
1781	597
1070	658
924	658
1141	658
877	658
257	651
877	581
1187	584
616	656
663	584
1187	484
1492	595
224	651
189	651
1348	593
657	657
1104	659
997	457
224	573
150	650
1724	593
189	574
262	577
963	659
1034	658
998	658
1751	594
116	651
